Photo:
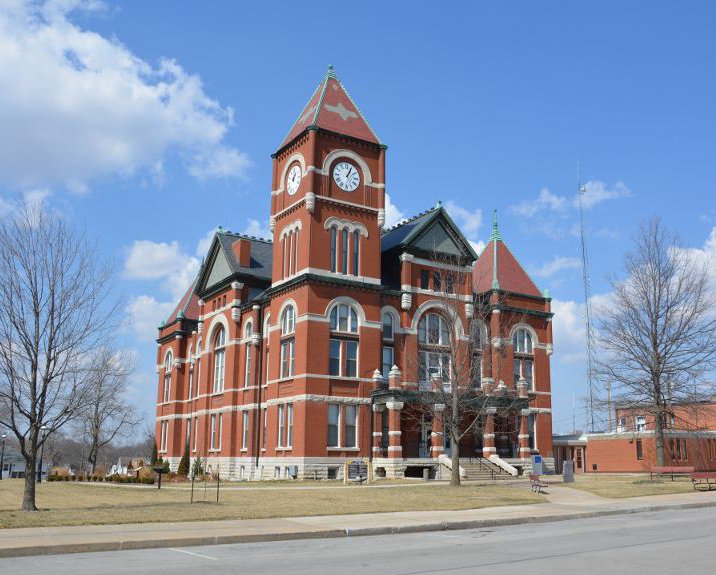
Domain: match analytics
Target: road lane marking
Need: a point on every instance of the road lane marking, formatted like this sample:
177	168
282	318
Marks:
192	553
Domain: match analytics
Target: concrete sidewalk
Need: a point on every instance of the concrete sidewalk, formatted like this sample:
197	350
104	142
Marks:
563	503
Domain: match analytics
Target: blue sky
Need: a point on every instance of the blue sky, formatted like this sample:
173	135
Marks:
151	123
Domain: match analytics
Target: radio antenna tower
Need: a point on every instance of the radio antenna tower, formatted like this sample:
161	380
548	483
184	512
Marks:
593	392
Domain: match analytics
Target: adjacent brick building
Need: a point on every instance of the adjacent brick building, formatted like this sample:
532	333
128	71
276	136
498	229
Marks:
289	357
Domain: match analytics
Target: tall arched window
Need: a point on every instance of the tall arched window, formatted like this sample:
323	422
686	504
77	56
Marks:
192	363
219	359
433	349
356	245
476	343
344	251
388	345
523	356
248	333
166	390
343	343
288	351
334	247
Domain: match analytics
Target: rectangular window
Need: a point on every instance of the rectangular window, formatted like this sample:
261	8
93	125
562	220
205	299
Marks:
388	360
247	373
196	432
350	426
424	279
639	450
191	383
281	430
351	359
289	425
356	244
517	369
476	369
221	430
244	429
344	251
213	432
167	386
640	423
527	369
437	281
263	437
333	420
334	357
449	283
287	358
219	371
188	432
621	425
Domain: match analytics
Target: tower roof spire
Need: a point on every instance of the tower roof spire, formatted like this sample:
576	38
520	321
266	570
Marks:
495	235
331	108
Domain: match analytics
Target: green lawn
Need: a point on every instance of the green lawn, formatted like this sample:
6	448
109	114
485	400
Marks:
617	486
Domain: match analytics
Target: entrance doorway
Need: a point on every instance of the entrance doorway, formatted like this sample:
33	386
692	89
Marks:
426	431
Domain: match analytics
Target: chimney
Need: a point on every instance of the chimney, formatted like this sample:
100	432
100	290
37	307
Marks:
242	250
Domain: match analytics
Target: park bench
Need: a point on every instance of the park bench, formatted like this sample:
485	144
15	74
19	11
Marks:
671	471
703	477
536	485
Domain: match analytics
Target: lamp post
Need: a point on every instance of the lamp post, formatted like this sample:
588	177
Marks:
2	455
43	429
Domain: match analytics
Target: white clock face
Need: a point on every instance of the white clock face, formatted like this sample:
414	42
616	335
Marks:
293	179
346	176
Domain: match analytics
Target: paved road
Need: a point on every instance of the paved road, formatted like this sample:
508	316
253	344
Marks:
646	543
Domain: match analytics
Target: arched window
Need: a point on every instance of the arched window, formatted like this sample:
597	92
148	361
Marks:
168	361
388	349
192	363
523	358
343	343
288	351
356	244
344	251
344	318
433	350
334	247
219	359
248	333
476	344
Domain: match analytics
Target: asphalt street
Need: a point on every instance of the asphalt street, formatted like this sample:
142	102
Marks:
646	543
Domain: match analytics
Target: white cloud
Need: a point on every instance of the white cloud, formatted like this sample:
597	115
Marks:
392	214
203	245
470	222
477	246
76	106
257	229
145	314
558	264
597	192
545	201
569	328
705	257
147	260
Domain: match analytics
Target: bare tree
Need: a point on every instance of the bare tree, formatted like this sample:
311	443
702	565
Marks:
658	334
108	414
55	315
460	351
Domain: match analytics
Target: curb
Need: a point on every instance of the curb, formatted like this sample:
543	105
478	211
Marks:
66	548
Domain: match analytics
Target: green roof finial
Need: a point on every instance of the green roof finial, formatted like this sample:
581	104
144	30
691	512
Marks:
439	204
330	73
494	238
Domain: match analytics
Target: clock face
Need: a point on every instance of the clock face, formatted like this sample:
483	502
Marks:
346	176
293	179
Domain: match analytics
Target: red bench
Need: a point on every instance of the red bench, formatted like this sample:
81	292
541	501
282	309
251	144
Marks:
672	471
536	485
703	477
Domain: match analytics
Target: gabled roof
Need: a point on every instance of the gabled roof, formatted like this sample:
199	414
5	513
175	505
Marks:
221	261
430	231
497	268
332	108
188	306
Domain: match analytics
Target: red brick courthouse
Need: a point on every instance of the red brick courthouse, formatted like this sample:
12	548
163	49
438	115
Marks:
289	357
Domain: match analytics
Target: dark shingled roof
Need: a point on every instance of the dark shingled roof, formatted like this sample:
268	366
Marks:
261	254
397	235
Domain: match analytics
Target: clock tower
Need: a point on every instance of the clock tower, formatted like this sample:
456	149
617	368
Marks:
328	191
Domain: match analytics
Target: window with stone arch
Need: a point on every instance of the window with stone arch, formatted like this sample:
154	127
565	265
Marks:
477	343
219	359
248	343
522	350
343	341
434	348
288	341
388	350
167	386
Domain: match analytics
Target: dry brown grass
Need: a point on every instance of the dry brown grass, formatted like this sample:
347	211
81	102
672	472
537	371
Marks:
81	504
618	486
